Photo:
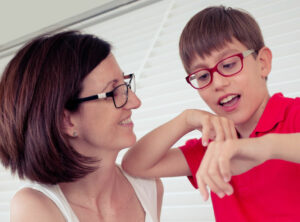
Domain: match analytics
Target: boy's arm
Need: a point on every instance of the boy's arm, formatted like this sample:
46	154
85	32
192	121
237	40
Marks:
152	157
244	154
284	146
234	157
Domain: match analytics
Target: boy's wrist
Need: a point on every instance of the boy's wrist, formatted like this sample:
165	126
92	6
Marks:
268	146
185	115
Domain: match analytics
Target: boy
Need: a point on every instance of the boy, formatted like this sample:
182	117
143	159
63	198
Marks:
249	153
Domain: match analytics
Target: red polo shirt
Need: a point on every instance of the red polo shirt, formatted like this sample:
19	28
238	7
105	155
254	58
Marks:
269	192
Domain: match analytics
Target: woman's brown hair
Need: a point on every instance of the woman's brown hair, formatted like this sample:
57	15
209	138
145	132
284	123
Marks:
213	27
36	87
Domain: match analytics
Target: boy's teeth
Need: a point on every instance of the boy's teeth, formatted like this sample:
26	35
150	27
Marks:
227	99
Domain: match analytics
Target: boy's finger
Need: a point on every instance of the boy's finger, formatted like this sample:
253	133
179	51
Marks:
226	124
233	130
202	189
209	171
201	174
224	165
216	178
213	186
218	130
205	135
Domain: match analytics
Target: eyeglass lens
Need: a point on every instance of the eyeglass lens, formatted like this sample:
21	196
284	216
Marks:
120	94
226	67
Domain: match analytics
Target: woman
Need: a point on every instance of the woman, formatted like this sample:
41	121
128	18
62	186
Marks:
65	114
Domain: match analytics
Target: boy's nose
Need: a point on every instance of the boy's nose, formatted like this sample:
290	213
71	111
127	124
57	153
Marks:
219	81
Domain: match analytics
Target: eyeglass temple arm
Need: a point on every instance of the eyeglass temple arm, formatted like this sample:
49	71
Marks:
248	52
98	96
130	77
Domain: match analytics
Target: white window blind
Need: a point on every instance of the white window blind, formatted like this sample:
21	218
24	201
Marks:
145	41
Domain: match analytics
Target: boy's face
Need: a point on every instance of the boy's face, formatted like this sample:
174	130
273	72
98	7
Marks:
241	97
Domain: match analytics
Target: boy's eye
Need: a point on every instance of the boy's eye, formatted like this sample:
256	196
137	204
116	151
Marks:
229	65
202	76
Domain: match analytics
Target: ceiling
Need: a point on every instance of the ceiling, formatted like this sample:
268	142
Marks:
19	19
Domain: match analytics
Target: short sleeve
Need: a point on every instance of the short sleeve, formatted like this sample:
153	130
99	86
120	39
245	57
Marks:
295	115
193	152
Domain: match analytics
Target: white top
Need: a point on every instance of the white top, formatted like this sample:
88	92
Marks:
145	191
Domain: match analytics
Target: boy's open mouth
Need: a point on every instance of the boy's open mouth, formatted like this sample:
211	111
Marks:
229	100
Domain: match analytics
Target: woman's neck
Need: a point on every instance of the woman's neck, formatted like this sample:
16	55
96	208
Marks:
95	189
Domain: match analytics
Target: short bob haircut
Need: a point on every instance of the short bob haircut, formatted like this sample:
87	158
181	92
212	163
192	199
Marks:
212	28
36	87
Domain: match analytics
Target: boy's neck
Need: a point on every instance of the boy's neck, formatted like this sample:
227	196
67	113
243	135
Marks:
245	129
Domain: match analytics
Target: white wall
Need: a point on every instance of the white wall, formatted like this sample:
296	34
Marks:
146	42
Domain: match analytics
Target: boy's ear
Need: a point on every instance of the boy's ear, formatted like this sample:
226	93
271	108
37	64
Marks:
265	61
68	125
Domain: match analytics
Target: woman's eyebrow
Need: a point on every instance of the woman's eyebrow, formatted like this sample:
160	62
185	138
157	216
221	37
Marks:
114	81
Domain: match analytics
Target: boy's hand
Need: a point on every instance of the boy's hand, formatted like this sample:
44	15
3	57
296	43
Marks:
225	158
213	127
217	129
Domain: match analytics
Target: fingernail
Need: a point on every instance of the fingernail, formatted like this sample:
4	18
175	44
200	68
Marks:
204	143
228	193
221	194
226	179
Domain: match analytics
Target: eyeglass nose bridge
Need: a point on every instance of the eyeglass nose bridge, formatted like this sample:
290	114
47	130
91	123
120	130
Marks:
212	71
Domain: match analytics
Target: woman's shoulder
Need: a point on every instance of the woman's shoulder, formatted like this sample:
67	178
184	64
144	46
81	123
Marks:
32	205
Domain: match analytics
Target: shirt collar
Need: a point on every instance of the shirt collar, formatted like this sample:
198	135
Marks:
273	113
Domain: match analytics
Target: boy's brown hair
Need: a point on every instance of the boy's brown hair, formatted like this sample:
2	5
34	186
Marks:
212	28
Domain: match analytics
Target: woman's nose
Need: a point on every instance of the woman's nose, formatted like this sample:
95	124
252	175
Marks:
133	101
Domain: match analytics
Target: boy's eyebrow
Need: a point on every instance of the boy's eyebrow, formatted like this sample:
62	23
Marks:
219	57
197	67
227	52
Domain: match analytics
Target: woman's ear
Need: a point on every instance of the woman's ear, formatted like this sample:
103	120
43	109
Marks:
69	127
265	61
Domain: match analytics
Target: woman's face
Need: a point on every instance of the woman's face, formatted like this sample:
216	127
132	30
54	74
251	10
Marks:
97	122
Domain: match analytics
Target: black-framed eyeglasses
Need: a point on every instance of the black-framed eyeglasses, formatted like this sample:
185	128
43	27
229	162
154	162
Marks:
226	67
119	94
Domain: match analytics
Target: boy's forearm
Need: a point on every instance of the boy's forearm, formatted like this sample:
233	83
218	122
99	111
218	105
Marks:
284	146
151	148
